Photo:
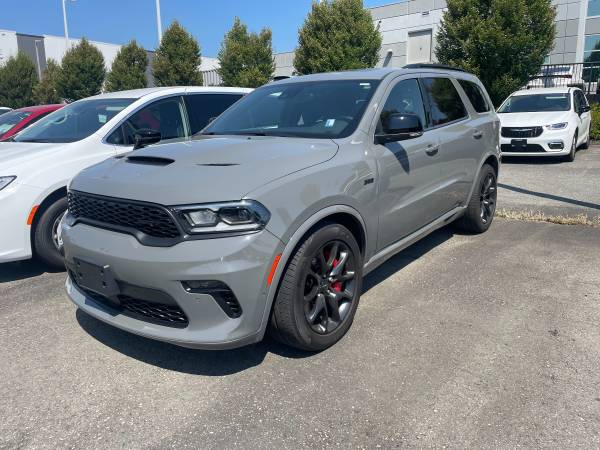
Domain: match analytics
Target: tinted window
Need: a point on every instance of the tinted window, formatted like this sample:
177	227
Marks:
9	120
75	121
318	109
163	115
536	103
475	95
203	107
444	102
405	98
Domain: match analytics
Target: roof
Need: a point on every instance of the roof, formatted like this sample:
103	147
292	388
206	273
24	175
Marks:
139	93
41	108
552	90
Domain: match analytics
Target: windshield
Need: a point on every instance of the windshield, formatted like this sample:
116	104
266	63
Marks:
316	109
536	103
10	119
75	121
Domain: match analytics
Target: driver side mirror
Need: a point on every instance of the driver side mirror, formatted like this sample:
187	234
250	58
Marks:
584	109
399	127
144	137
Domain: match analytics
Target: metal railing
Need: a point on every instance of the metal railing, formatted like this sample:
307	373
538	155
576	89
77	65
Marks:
211	78
585	75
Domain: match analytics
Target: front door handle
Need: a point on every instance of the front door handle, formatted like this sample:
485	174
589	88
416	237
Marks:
432	150
478	134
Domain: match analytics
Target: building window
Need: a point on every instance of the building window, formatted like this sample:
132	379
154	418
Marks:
592	48
593	8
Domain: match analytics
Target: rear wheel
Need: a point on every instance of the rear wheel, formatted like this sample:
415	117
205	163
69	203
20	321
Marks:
319	291
46	237
481	209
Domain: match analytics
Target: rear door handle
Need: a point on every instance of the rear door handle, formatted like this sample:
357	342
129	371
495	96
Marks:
432	150
478	134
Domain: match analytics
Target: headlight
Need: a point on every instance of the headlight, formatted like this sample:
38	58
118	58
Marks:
228	217
5	181
557	126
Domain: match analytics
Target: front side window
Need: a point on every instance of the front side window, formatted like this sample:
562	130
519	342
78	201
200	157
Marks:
444	101
164	116
75	121
536	103
405	98
475	95
311	109
11	119
201	108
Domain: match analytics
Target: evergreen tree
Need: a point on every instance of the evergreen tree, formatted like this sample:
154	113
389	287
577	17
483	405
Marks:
128	69
82	72
177	59
337	35
17	78
45	92
246	59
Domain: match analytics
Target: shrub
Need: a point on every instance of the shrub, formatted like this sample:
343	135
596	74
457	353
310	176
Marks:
177	59
128	69
45	92
82	72
17	78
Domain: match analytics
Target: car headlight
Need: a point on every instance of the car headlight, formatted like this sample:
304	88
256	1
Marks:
557	126
227	217
5	181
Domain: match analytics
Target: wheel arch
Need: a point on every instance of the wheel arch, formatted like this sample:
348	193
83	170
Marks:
43	206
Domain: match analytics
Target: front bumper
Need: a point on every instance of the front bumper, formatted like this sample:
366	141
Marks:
242	263
549	143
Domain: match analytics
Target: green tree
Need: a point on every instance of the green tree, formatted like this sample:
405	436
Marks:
128	69
45	92
337	35
177	59
82	72
17	78
504	42
246	59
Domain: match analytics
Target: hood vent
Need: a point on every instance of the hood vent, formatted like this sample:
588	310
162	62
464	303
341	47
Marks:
150	160
219	164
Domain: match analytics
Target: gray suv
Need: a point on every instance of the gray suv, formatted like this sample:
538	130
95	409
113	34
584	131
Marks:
270	218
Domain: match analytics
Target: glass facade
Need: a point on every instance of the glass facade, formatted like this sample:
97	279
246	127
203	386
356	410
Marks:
593	8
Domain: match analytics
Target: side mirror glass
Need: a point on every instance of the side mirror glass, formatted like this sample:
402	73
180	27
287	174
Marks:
399	127
584	108
144	137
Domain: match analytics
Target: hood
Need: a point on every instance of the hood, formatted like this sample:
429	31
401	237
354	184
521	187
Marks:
202	171
531	119
13	154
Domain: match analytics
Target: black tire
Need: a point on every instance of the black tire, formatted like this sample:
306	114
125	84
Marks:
571	156
44	245
586	144
291	321
481	209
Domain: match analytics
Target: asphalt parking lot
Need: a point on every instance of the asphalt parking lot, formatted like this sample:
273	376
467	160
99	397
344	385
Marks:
551	186
461	341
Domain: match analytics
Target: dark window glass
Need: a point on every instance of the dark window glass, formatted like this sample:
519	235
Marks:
405	98
11	119
536	103
444	102
203	107
475	95
312	109
75	121
164	116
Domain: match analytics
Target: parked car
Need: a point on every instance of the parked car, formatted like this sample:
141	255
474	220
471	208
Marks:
559	75
14	121
4	109
545	122
37	164
272	216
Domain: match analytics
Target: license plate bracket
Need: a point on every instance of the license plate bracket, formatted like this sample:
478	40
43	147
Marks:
519	144
95	278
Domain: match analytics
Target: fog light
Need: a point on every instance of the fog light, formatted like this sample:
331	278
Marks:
556	145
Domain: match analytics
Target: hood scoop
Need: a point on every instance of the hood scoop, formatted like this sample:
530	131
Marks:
218	164
150	160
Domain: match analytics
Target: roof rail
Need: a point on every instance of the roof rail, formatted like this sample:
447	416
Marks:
433	66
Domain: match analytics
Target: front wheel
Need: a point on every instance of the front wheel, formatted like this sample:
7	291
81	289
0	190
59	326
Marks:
571	156
319	291
481	209
46	237
586	144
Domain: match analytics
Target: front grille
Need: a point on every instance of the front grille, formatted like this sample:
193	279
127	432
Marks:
151	220
522	132
529	148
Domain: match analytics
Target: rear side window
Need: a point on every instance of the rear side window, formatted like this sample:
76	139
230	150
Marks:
203	107
445	104
475	95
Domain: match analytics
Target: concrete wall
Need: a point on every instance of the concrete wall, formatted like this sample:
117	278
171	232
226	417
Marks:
8	45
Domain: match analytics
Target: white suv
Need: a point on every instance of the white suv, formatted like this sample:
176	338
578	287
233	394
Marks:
37	164
545	122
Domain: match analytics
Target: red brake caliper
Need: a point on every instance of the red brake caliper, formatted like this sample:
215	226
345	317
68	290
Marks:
336	285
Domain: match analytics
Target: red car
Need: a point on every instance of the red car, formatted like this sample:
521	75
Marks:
14	121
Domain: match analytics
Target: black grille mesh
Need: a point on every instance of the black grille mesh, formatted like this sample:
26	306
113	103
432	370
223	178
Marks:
521	132
168	314
149	219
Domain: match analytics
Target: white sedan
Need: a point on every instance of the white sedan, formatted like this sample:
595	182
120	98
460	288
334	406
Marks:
37	164
545	122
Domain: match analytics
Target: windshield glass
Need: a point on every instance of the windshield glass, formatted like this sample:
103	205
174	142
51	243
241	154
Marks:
10	119
536	103
316	109
75	121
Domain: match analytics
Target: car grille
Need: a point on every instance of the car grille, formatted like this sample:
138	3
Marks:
529	148
151	220
522	132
